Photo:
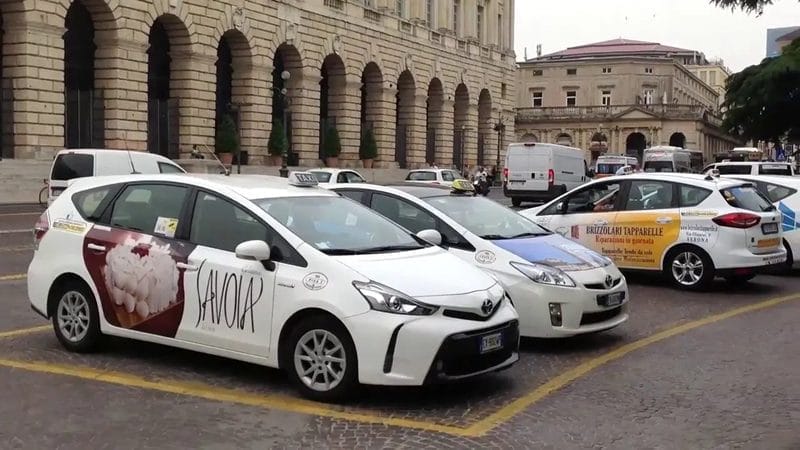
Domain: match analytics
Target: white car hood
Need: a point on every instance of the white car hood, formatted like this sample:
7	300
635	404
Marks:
530	212
430	272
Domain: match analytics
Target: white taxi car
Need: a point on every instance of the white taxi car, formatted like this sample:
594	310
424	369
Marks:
692	228
560	288
336	176
444	177
255	269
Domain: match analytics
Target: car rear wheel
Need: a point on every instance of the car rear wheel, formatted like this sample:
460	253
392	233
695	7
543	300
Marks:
788	266
323	363
76	321
689	268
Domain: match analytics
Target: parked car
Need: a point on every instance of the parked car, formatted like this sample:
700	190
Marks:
77	163
541	172
692	228
335	176
560	288
444	177
752	168
270	271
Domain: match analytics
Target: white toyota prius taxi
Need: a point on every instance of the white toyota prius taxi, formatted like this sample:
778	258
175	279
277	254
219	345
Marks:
560	288
692	228
266	270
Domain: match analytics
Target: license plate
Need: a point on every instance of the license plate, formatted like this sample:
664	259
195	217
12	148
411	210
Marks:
614	299
769	228
491	342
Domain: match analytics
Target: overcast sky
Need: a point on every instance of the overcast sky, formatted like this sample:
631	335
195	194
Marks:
738	38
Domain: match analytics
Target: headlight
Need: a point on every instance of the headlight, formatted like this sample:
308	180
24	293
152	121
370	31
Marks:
385	299
544	274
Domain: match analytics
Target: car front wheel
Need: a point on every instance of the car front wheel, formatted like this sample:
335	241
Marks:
76	321
689	268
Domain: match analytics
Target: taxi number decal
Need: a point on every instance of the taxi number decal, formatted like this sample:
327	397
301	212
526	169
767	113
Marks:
315	281
70	226
485	257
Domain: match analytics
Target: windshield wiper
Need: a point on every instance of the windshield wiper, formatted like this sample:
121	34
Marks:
529	234
390	248
499	237
339	251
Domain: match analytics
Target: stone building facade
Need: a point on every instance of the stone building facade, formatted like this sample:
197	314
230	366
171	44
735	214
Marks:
430	78
619	97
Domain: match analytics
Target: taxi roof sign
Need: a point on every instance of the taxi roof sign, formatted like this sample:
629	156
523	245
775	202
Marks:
462	186
303	179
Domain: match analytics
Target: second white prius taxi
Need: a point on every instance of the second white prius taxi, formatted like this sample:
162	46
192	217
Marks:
560	288
267	270
692	228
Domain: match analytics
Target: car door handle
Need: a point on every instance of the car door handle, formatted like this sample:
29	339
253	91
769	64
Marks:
96	248
187	267
664	220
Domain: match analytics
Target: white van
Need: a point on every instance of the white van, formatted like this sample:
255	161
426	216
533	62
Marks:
608	165
541	172
78	163
667	159
752	168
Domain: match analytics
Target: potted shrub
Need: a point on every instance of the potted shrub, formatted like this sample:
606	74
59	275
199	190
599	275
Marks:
227	139
332	147
368	150
278	144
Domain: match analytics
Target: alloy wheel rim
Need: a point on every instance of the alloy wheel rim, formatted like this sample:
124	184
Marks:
319	360
687	268
73	316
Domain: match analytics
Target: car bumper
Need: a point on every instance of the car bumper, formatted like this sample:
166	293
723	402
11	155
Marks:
396	350
743	259
581	311
528	195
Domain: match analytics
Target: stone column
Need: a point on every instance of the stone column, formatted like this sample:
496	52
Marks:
444	133
444	15
416	130
251	93
469	11
383	118
305	119
347	111
193	85
471	136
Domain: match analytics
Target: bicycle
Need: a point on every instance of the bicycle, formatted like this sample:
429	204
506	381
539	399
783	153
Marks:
44	194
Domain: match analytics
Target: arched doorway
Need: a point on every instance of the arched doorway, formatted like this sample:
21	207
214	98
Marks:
460	123
434	119
598	146
677	140
406	89
635	145
233	59
331	97
371	85
564	139
83	108
288	64
485	125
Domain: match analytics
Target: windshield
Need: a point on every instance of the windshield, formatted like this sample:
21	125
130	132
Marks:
486	218
339	226
322	177
606	169
422	176
659	166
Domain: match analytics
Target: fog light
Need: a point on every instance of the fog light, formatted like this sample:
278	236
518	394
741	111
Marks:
555	314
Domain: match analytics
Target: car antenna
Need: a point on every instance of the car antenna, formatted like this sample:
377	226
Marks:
195	151
130	160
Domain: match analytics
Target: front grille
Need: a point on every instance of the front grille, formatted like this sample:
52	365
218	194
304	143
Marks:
602	316
602	286
460	354
466	315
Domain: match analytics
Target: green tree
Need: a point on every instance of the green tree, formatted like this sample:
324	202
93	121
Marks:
748	6
333	145
278	143
763	101
227	138
369	147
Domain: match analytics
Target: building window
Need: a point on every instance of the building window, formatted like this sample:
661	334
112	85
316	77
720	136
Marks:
503	90
712	78
572	71
647	96
400	8
606	69
500	30
572	98
479	23
648	70
456	15
536	99
537	72
605	98
431	13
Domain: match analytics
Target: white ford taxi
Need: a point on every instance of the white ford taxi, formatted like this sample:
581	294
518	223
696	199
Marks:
692	228
560	288
274	272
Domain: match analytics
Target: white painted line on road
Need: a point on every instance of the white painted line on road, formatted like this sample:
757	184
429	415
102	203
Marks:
28	230
14	277
21	214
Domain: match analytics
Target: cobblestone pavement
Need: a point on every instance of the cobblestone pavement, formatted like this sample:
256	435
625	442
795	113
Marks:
709	370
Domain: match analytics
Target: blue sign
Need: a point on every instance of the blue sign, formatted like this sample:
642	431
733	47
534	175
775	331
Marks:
780	154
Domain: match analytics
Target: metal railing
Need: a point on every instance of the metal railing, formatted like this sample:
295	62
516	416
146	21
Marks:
335	4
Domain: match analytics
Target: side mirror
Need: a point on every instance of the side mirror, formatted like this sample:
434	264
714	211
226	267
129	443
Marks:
253	251
432	236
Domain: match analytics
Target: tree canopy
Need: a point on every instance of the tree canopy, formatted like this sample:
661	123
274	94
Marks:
745	5
763	101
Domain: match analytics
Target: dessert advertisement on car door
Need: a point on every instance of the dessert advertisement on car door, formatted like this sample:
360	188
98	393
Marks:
138	278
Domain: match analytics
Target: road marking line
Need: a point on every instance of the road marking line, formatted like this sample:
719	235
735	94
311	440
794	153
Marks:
16	249
24	331
39	213
13	277
506	413
193	389
19	231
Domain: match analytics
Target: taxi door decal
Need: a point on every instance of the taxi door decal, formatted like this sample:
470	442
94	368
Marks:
642	238
588	229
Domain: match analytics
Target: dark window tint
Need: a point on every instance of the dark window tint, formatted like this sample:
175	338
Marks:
169	168
646	195
353	177
72	165
88	202
738	169
219	224
776	193
140	207
449	176
421	176
403	213
746	197
597	198
692	196
659	166
322	177
353	195
775	169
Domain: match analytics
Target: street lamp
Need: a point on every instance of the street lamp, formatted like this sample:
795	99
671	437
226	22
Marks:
285	76
500	128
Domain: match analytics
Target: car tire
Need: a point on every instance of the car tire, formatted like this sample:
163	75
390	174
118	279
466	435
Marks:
76	320
788	266
516	202
329	335
689	268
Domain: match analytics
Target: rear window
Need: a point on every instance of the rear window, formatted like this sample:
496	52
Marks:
775	169
322	177
777	193
421	176
746	197
72	165
739	169
608	169
659	166
88	202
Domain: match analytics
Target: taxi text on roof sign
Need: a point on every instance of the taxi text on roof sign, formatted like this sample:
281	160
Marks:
302	179
463	186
